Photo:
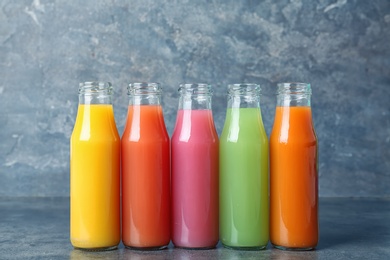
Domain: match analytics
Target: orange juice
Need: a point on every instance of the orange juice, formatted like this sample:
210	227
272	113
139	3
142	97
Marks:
293	179
145	179
94	179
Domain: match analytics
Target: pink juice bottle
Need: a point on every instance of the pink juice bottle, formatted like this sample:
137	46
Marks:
195	167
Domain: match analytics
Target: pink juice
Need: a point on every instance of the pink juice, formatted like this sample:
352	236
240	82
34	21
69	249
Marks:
195	180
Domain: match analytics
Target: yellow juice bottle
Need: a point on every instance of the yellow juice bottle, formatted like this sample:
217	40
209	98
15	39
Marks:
95	171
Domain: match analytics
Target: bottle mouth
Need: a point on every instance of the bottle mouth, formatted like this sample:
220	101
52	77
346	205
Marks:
293	88
95	87
244	89
144	88
195	89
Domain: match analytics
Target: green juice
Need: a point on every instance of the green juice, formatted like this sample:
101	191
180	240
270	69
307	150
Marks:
243	157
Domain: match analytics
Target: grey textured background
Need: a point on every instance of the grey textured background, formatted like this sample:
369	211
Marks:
340	46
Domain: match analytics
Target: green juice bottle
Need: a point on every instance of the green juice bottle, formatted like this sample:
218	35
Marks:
243	159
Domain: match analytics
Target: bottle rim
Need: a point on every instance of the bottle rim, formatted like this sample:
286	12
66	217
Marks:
244	89
293	88
195	89
95	87
144	88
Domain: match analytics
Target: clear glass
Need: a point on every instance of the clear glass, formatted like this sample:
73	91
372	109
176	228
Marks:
244	96
293	94
244	171
194	158
195	96
144	93
95	171
95	93
145	171
294	171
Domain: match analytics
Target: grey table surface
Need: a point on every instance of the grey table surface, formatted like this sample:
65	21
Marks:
350	228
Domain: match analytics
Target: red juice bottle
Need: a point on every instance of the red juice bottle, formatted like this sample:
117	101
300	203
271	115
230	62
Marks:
145	171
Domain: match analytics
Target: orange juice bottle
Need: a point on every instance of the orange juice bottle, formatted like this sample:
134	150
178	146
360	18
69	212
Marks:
145	171
95	171
293	171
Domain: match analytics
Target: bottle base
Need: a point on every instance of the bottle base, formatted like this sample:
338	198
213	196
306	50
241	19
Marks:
285	248
95	249
195	248
245	248
152	248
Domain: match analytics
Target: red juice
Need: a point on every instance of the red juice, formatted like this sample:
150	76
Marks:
145	171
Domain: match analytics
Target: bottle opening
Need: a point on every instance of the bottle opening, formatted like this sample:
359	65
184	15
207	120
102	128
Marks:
294	88
293	94
144	88
95	87
195	89
95	92
244	89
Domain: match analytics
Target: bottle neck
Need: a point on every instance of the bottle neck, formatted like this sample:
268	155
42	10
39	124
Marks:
95	93
244	96
144	94
195	96
293	95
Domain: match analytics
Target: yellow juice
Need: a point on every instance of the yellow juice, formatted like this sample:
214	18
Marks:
95	179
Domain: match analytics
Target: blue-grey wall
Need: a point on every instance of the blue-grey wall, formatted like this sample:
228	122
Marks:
340	46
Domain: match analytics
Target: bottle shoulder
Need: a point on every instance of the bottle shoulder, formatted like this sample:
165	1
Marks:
196	126
293	124
95	122
145	122
244	124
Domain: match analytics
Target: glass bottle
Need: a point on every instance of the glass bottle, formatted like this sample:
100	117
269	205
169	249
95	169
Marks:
95	171
195	170
293	175
145	170
244	171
